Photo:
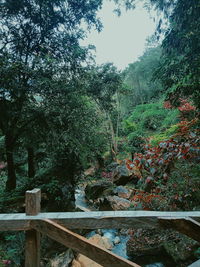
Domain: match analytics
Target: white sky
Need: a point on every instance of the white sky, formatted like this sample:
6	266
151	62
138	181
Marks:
122	39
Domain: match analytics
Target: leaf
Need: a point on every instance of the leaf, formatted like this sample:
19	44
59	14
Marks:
149	179
152	170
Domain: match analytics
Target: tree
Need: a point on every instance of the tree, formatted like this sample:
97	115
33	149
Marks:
179	23
104	85
138	80
39	38
179	70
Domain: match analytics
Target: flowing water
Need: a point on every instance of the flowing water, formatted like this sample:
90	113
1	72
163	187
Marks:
111	234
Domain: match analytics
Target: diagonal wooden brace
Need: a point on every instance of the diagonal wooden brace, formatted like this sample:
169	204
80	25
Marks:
80	244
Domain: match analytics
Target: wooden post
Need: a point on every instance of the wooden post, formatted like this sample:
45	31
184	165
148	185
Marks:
32	246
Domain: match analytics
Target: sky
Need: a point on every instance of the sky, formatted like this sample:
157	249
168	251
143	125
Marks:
123	38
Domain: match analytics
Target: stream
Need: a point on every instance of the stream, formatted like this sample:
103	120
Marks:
111	234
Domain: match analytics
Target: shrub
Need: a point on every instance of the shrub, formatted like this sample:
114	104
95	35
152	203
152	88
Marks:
150	118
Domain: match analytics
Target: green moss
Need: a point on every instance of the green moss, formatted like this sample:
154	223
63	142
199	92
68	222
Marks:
183	245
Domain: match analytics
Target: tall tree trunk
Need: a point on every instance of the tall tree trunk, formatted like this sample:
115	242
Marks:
11	181
139	90
113	142
118	122
31	166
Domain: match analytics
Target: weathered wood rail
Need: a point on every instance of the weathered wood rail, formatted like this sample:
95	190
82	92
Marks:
55	225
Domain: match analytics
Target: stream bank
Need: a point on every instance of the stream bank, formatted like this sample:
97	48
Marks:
148	248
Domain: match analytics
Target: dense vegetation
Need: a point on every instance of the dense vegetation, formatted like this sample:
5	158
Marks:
60	113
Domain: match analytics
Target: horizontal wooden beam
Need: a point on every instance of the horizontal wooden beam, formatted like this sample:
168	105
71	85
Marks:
80	244
9	222
95	219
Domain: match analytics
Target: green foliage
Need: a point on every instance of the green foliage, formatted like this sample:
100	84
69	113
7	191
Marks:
156	138
43	99
128	126
135	142
197	253
138	79
3	178
2	142
169	171
103	82
179	68
12	249
182	189
148	120
152	118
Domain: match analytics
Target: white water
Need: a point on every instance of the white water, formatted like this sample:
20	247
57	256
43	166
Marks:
119	249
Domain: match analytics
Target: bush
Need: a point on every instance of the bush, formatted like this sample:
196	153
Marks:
12	249
150	118
155	139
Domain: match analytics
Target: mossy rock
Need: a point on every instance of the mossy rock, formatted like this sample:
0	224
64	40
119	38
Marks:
182	249
99	189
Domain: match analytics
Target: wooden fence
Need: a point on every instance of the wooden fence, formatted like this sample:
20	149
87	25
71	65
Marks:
55	225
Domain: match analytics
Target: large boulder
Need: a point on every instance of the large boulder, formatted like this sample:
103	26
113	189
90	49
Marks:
184	245
112	166
83	261
102	241
62	260
90	171
98	189
121	175
165	245
114	203
122	192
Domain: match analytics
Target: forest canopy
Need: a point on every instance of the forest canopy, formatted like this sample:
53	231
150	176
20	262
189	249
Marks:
45	86
66	121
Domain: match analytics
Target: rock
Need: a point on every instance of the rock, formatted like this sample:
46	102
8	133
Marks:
81	208
184	245
136	205
112	166
121	175
83	261
75	263
122	192
145	242
90	171
124	231
114	203
99	232
169	244
102	241
108	244
116	240
62	260
96	190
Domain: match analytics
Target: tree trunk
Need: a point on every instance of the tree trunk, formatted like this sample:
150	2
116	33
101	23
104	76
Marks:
118	122
31	166
139	90
11	181
113	138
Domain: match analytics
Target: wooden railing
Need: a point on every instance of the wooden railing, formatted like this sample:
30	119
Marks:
55	225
